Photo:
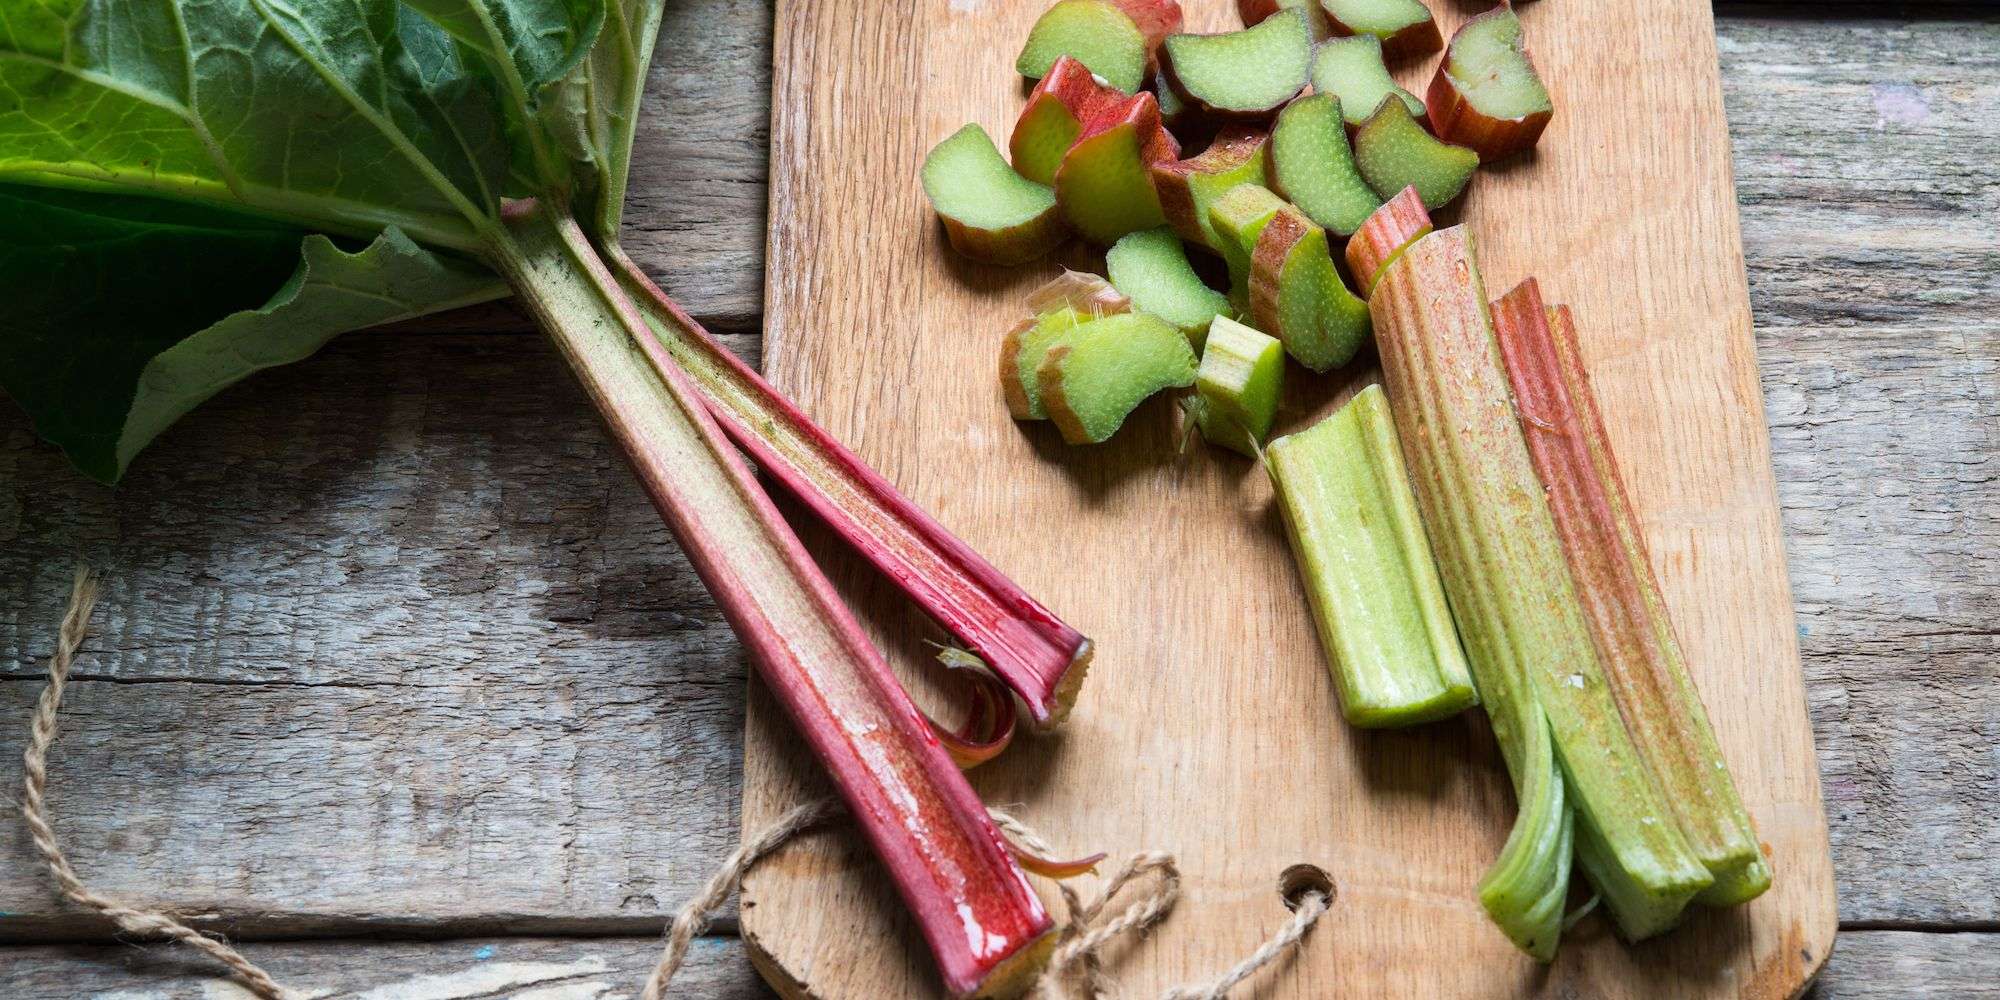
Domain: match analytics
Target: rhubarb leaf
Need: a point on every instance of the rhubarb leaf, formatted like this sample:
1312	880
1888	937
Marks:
124	313
616	74
346	115
525	48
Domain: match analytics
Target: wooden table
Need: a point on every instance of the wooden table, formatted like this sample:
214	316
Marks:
398	676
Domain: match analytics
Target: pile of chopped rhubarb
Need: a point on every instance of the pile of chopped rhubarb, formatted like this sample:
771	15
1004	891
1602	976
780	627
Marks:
1460	529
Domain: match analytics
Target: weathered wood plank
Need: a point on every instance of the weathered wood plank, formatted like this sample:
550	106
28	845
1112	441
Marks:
440	527
1867	965
1863	154
468	969
391	638
1899	965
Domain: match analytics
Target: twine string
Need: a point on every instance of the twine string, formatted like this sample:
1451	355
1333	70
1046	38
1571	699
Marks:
1076	970
34	809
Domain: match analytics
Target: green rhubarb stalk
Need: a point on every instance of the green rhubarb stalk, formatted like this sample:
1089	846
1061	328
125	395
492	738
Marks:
1237	387
1389	639
1621	599
1503	567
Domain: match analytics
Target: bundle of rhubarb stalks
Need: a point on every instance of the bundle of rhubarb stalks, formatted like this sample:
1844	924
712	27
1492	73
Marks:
1461	528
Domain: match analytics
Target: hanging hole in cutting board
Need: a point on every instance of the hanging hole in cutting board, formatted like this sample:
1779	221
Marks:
1296	881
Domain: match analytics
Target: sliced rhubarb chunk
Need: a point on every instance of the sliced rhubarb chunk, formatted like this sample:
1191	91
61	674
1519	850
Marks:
1057	109
1062	304
1400	222
1155	19
1238	217
1105	184
1242	374
1509	583
1255	11
1097	373
990	213
1352	69
1405	27
1621	599
1188	187
1242	74
1394	152
1152	269
1313	168
1297	295
1094	32
1366	563
1486	95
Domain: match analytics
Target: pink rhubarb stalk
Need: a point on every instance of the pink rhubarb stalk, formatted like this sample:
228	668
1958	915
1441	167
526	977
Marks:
1036	654
985	926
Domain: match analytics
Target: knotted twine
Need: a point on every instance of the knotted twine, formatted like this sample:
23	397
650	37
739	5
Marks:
1075	969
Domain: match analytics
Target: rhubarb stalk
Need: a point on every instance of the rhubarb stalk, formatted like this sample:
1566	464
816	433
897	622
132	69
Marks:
1621	599
1367	568
953	869
1037	655
1503	567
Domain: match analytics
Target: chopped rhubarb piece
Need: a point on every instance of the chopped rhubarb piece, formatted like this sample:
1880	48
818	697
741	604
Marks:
1188	187
1400	222
1097	373
1067	97
990	213
1242	74
1238	217
1621	600
1405	27
1174	112
1065	302
1394	152
1096	33
1509	583
1104	185
1027	646
1359	542
1238	384
1021	352
1254	12
1152	269
1079	290
1155	19
1486	95
1296	293
1313	168
1352	69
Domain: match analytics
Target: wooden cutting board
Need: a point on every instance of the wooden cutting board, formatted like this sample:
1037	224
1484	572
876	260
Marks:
1208	727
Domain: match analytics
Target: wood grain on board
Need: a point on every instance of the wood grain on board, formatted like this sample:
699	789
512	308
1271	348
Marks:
1208	727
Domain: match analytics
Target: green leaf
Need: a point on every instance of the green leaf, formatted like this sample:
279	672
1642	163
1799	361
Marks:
526	47
346	115
124	313
616	81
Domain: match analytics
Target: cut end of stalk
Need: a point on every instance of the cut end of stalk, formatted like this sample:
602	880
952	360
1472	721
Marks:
1062	697
1400	222
1014	975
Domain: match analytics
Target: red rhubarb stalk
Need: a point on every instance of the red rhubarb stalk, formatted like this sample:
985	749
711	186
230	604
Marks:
1037	655
985	926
